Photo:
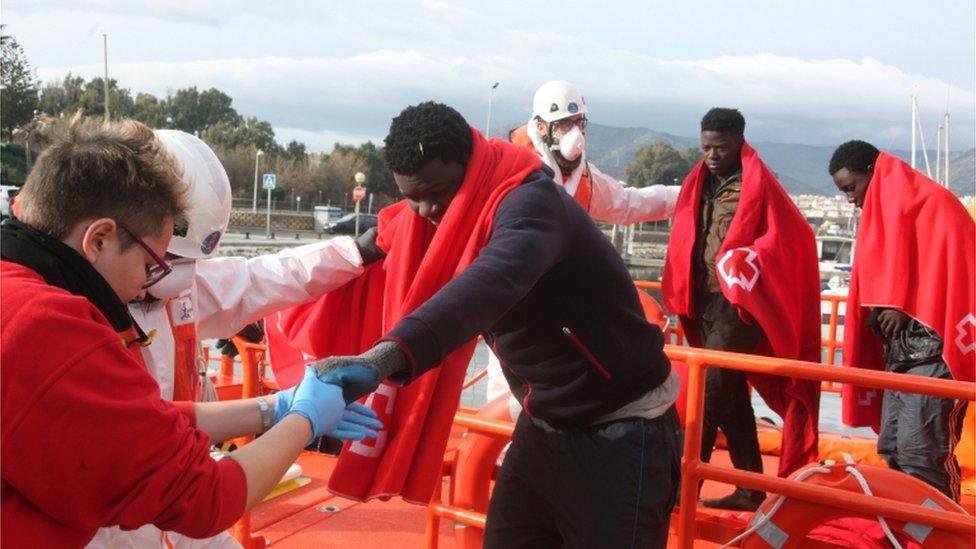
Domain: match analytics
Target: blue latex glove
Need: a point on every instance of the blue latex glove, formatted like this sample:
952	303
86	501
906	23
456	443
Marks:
358	422
283	403
319	402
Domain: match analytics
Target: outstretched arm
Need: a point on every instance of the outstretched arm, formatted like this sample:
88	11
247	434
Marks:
531	234
234	291
615	203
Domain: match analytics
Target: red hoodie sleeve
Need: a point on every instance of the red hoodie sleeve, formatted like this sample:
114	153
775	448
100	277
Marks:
97	446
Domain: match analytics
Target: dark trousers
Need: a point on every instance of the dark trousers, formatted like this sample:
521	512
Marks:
727	403
610	485
919	433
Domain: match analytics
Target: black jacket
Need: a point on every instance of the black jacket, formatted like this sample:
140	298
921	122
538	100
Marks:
554	300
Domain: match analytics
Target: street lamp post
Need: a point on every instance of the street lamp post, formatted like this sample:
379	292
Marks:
491	92
360	178
254	205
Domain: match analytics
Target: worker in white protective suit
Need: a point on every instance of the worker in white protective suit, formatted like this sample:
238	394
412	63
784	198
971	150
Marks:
557	132
214	297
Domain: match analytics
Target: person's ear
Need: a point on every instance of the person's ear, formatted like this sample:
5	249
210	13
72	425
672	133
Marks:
540	126
97	236
870	168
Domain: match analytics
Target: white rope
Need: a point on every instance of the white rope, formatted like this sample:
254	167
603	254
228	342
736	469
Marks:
867	491
852	470
775	507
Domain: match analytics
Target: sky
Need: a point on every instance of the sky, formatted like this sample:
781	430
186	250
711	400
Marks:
817	73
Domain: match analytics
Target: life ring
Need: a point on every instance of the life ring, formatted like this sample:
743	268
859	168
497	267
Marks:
783	523
474	468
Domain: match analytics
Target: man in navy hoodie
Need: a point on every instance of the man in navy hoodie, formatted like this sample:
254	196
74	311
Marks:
594	459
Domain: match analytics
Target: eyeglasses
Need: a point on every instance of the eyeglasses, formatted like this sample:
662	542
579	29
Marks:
155	273
567	124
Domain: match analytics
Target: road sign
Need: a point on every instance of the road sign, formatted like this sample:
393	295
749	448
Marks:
358	192
269	181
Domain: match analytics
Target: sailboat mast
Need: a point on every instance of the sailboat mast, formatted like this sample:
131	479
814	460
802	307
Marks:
914	126
945	172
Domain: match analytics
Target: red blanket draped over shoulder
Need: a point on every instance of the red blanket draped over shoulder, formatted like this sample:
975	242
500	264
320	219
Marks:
767	267
406	458
915	252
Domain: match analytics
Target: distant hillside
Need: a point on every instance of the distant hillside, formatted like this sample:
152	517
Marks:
801	168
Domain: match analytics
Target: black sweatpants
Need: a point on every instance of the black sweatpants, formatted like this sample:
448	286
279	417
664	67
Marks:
919	433
727	403
611	485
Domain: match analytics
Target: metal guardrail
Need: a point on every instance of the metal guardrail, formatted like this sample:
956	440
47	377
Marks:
694	470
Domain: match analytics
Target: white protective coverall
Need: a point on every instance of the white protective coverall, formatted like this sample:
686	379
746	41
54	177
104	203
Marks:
226	294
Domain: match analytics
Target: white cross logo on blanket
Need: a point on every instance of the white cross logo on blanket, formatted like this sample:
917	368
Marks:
738	270
966	340
866	396
383	398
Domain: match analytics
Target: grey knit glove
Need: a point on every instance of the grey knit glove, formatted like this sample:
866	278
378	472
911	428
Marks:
360	375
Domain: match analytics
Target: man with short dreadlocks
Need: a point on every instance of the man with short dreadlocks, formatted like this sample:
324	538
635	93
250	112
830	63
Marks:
486	243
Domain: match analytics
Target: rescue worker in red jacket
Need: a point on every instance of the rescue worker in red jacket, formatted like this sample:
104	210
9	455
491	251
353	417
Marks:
208	296
97	214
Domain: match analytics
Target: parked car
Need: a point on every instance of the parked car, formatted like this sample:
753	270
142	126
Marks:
7	194
347	224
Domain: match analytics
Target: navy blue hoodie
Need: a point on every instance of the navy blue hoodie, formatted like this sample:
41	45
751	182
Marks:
554	300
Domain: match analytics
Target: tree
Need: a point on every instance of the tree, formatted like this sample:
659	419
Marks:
92	101
660	164
63	97
194	111
151	111
378	176
296	151
250	133
18	98
13	163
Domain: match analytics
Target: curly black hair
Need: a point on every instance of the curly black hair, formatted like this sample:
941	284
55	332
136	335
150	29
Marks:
723	120
856	156
423	132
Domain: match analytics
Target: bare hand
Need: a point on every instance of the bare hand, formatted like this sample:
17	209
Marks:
892	322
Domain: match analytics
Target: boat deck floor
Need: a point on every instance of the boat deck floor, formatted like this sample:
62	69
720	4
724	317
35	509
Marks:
310	516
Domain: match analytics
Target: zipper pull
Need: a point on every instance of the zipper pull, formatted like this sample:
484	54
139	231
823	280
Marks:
586	352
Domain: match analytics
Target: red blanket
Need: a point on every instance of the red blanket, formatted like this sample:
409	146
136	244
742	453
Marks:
915	252
406	458
768	269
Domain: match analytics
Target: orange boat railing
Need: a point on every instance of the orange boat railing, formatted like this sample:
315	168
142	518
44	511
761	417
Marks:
253	383
694	470
830	345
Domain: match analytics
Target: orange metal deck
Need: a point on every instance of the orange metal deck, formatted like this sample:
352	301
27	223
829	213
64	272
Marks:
310	516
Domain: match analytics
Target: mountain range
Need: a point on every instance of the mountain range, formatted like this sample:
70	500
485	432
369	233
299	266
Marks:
802	169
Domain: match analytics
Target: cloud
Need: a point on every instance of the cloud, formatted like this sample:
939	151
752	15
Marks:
784	98
347	68
323	140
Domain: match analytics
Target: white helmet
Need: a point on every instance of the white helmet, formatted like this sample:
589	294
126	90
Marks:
197	236
557	99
